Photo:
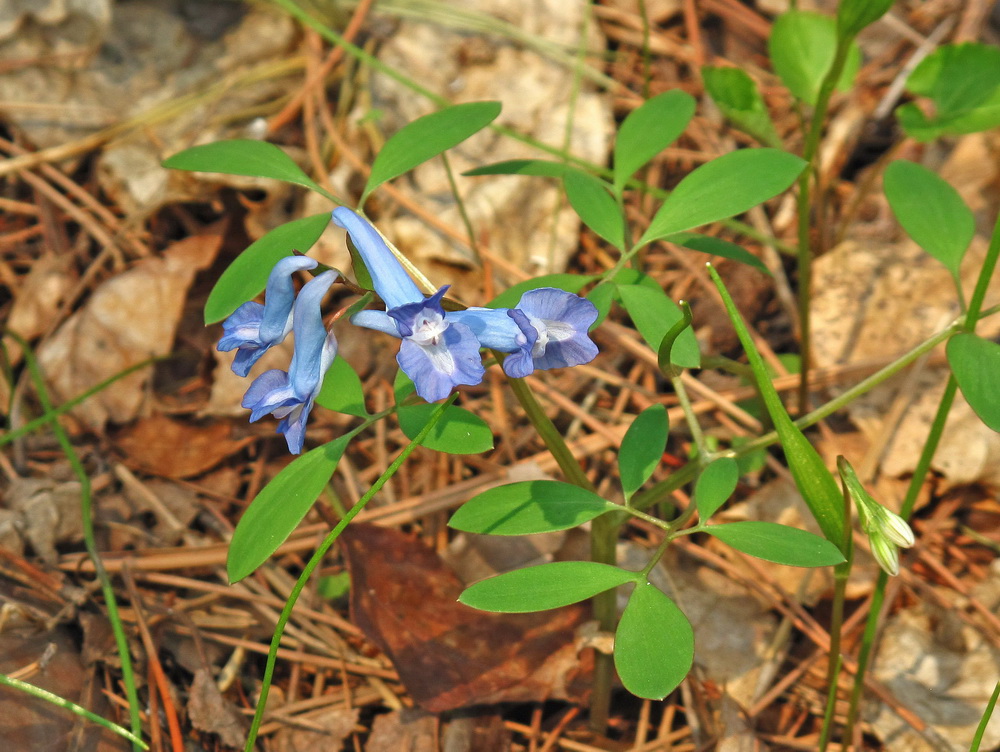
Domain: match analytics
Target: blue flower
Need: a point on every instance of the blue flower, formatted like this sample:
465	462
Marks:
290	396
436	353
254	328
547	329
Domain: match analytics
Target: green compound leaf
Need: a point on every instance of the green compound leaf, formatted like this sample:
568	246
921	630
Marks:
802	46
654	644
931	212
590	199
778	543
246	277
818	488
342	391
854	15
976	364
963	82
568	282
534	506
544	168
648	130
280	506
717	247
426	137
653	314
642	448
243	157
457	431
724	187
543	587
715	485
737	95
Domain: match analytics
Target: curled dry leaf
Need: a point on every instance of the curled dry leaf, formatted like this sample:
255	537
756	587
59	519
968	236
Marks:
173	449
128	319
448	655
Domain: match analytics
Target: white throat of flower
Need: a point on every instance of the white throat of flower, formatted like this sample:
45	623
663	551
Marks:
548	331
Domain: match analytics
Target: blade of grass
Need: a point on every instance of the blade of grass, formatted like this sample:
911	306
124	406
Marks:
86	512
72	707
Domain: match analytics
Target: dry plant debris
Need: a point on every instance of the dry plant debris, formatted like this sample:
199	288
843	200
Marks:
106	260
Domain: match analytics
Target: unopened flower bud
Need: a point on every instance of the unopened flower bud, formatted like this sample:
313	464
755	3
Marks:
885	553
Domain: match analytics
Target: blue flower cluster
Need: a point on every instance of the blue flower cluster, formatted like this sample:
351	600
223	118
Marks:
439	349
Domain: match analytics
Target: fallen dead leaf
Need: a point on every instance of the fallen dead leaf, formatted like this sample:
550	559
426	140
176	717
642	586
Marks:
129	318
405	600
211	713
173	449
334	725
411	729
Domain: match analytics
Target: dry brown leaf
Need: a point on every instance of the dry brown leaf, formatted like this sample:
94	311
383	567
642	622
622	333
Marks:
212	713
128	319
173	449
410	728
448	655
332	727
27	723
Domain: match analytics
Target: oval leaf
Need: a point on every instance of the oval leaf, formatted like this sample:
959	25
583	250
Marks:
653	314
342	391
543	587
654	644
931	212
648	130
642	448
457	431
246	277
778	543
280	506
802	47
569	282
715	485
534	506
738	97
426	137
724	187
239	156
545	168
976	365
963	82
590	199
717	247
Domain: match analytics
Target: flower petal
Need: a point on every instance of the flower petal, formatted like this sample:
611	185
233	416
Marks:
279	295
439	367
389	278
380	321
311	338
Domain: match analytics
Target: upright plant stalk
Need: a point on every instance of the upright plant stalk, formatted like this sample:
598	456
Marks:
805	250
603	537
841	573
89	541
317	557
919	475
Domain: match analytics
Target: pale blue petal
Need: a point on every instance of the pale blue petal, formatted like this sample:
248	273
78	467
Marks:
305	373
278	297
438	367
562	321
492	326
389	278
380	321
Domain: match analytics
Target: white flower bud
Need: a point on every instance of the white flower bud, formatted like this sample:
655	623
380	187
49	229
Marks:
894	527
885	553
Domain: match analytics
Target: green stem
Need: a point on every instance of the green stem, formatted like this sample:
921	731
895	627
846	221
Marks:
317	557
841	574
89	541
62	702
692	420
805	247
968	324
603	538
